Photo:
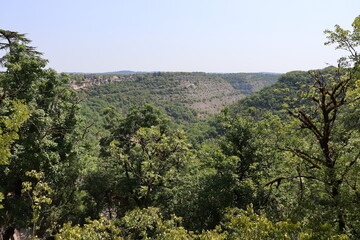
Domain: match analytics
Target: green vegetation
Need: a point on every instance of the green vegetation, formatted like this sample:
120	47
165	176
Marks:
100	162
182	96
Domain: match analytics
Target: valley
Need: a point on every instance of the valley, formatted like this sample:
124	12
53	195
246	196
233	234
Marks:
205	93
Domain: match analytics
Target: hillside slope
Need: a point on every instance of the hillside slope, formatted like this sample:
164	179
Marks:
283	95
179	94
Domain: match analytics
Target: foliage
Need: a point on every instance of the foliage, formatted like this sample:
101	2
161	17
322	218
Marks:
102	229
39	195
279	96
280	164
148	223
46	140
143	160
245	224
13	115
324	150
182	96
346	40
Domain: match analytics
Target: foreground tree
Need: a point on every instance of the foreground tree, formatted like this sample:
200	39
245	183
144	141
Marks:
13	115
325	149
46	140
149	223
142	162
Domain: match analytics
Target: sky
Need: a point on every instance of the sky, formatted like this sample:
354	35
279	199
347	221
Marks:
181	35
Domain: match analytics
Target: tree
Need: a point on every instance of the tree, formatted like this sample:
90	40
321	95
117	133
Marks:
13	116
147	223
325	148
142	161
102	229
246	224
46	140
229	172
123	129
13	112
347	40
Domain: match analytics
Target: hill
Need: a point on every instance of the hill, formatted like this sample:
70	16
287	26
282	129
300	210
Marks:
275	96
181	95
281	96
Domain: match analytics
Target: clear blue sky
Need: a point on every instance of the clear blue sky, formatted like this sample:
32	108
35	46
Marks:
180	35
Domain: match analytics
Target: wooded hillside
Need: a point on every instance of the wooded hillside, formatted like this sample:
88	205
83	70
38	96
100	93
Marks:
100	162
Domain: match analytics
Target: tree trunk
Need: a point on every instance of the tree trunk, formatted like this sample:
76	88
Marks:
337	205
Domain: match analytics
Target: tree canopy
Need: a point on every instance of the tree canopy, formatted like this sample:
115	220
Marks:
282	163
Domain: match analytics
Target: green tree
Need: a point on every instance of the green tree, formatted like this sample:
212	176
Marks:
229	172
38	193
102	229
325	149
123	129
207	189
13	115
147	223
347	40
46	140
246	224
142	162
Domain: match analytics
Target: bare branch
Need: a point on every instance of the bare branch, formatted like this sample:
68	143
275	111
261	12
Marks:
279	179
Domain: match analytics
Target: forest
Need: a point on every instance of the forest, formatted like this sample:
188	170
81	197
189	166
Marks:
123	160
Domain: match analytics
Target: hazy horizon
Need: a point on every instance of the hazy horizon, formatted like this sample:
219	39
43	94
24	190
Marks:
139	72
181	36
